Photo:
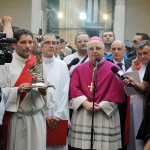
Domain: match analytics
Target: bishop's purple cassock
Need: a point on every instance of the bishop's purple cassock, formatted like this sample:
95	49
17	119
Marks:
109	88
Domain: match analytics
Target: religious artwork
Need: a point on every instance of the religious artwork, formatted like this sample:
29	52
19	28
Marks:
37	70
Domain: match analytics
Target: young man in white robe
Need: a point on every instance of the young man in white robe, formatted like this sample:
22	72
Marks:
57	74
118	50
24	125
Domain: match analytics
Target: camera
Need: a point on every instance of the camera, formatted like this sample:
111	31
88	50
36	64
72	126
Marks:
5	48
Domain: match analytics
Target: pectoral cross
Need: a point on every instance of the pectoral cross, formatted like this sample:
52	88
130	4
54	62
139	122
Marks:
91	87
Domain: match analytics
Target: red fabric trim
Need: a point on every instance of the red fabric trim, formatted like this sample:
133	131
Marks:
3	137
127	123
139	66
25	76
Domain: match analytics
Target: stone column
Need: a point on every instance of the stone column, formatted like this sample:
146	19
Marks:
36	15
119	19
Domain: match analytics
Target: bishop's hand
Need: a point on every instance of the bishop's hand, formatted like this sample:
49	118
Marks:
89	106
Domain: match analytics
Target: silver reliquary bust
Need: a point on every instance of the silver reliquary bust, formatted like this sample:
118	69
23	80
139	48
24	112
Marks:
37	70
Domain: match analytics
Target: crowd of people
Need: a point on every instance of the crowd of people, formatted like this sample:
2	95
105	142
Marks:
87	95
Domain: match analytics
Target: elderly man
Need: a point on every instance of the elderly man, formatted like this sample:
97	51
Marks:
57	74
81	40
85	77
118	50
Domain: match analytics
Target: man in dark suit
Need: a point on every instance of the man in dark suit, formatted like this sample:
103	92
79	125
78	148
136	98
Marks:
118	50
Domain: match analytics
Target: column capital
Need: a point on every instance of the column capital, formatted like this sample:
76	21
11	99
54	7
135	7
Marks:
120	2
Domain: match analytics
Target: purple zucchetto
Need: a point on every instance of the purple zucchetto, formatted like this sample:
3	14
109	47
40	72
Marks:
95	38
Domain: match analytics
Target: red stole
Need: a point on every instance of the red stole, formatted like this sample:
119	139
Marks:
127	122
25	77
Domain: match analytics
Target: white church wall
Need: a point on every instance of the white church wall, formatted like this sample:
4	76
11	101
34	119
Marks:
137	18
38	7
19	10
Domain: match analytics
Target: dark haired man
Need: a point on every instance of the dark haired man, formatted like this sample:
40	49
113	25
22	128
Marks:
24	125
57	74
108	37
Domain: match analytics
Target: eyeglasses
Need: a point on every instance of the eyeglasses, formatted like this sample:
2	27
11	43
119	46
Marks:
95	48
119	49
84	41
108	35
49	43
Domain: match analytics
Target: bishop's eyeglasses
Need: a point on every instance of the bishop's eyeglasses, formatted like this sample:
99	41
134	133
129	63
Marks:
96	48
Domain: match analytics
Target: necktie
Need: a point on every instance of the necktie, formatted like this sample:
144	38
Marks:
120	65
